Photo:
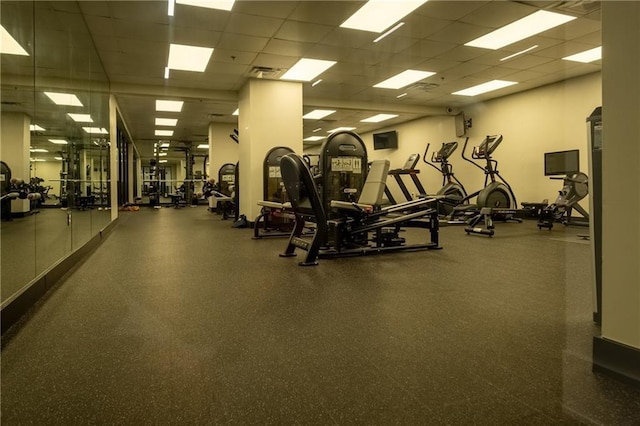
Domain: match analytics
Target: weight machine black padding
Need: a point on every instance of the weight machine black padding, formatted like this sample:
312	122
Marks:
306	204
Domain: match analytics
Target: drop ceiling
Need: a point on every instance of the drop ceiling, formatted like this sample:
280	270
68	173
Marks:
132	40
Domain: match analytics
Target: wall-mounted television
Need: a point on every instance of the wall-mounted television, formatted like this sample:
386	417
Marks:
561	162
385	140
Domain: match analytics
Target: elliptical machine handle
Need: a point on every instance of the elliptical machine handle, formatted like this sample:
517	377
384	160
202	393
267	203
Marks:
426	151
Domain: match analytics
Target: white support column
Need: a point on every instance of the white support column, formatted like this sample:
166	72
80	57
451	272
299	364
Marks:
15	138
618	349
270	115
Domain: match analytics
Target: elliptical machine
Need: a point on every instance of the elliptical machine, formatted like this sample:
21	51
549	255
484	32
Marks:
495	200
452	188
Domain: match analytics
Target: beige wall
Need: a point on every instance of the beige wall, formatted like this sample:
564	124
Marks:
222	149
550	118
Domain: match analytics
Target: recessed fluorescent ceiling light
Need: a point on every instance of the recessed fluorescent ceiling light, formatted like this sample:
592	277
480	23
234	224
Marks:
339	129
166	72
58	141
172	106
96	130
162	161
164	132
64	99
210	4
378	15
389	32
403	79
37	159
162	154
81	118
171	8
484	87
236	112
378	118
313	138
38	150
203	146
529	49
519	30
315	83
586	56
189	58
317	114
307	69
166	121
57	158
401	95
36	128
317	129
9	45
165	145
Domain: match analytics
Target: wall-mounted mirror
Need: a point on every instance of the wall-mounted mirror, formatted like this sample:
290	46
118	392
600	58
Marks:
55	137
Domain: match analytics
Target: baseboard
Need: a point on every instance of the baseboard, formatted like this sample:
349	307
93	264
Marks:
19	304
617	360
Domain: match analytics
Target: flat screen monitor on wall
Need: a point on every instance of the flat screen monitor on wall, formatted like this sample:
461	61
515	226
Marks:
561	162
385	140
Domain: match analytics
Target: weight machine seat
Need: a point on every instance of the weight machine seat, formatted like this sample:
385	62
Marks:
274	205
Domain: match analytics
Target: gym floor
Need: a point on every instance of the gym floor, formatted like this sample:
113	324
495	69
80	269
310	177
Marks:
177	318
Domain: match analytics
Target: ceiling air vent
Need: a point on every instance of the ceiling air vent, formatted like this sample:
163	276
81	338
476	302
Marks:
265	72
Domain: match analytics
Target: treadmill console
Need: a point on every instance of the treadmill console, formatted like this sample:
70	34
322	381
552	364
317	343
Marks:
411	162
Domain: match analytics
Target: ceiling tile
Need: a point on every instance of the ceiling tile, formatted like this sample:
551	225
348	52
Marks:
273	9
498	14
325	12
251	25
287	48
450	10
233	56
243	43
462	54
459	33
428	49
302	31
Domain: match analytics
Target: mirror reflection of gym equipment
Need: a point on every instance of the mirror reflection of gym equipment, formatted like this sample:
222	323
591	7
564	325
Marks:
575	186
452	188
495	201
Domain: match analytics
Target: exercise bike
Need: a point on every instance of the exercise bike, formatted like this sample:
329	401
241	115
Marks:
452	189
495	200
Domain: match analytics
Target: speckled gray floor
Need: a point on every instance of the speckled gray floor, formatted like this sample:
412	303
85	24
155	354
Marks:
179	319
